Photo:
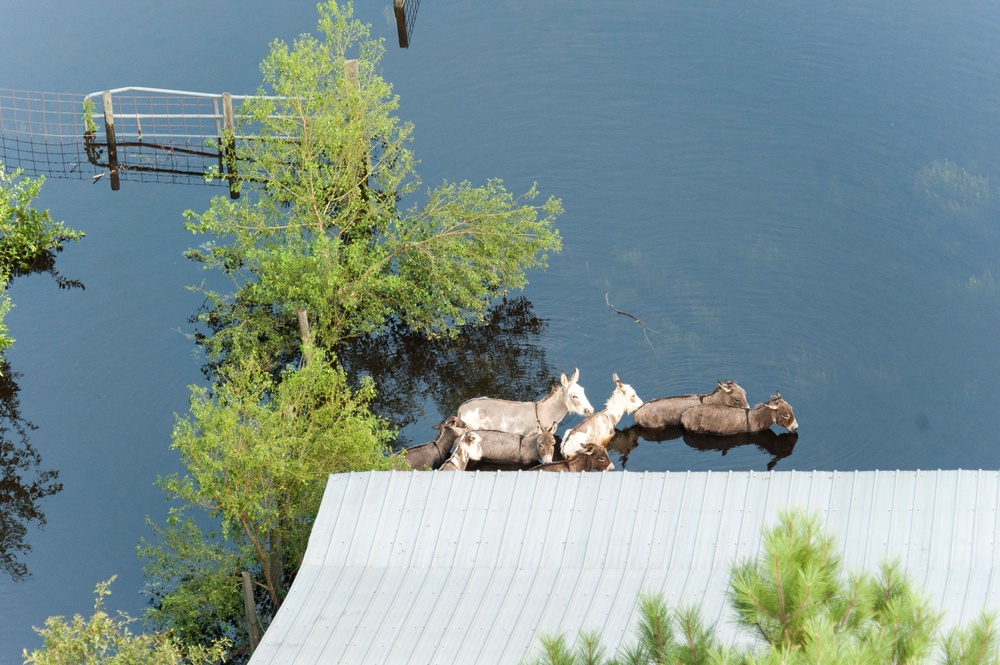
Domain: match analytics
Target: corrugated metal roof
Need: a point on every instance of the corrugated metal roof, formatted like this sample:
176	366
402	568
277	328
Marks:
427	567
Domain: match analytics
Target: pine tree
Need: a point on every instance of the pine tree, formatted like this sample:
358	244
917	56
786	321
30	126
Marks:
804	610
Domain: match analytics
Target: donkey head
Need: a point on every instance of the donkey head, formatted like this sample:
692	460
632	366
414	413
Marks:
598	457
782	412
624	396
574	398
451	421
729	393
545	443
473	445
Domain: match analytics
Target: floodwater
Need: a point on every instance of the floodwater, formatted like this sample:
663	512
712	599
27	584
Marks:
799	198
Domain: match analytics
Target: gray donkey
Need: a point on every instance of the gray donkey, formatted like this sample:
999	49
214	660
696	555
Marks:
666	411
527	417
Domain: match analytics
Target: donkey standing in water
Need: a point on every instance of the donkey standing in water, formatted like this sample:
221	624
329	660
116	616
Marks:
526	418
666	411
600	427
716	419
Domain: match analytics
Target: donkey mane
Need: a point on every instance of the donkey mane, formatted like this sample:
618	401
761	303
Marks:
552	391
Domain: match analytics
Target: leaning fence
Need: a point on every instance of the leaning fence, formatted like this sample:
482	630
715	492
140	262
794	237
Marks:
140	134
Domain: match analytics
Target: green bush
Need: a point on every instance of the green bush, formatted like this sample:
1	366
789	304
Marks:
26	233
107	640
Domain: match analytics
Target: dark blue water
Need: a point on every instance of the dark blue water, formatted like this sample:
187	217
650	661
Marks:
803	199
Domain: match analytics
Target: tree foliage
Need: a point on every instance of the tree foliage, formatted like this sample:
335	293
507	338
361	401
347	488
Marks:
27	235
257	452
103	639
795	598
324	166
319	248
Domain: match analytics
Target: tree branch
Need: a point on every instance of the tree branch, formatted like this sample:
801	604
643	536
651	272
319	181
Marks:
635	318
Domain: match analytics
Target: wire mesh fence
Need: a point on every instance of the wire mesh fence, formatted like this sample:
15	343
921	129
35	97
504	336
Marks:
138	134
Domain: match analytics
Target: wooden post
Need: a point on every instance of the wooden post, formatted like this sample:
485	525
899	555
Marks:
253	628
398	5
229	144
109	128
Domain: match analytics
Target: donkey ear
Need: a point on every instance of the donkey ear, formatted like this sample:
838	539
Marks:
726	387
576	375
616	379
777	394
563	380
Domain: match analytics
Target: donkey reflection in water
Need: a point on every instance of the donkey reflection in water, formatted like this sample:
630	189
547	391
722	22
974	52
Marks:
524	418
600	427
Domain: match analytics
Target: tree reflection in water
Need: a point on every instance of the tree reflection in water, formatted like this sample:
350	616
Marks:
501	357
45	264
22	485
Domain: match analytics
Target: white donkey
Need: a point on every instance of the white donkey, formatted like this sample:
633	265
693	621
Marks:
526	418
600	427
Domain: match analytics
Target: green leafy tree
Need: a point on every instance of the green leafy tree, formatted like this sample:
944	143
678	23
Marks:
257	452
103	639
318	250
27	235
796	599
323	167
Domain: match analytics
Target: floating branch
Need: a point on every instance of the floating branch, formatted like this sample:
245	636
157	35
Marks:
634	318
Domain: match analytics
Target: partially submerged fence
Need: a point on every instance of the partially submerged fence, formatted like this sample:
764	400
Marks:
141	134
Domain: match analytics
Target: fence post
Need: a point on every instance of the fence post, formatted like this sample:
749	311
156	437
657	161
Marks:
229	143
109	128
399	7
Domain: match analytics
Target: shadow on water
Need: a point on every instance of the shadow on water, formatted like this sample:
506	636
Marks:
778	446
22	485
502	357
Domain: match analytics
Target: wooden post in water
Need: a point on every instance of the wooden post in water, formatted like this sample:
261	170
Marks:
229	144
109	128
399	6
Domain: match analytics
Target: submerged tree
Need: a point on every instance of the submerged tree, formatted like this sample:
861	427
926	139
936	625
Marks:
796	599
323	168
28	237
26	233
257	453
319	250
